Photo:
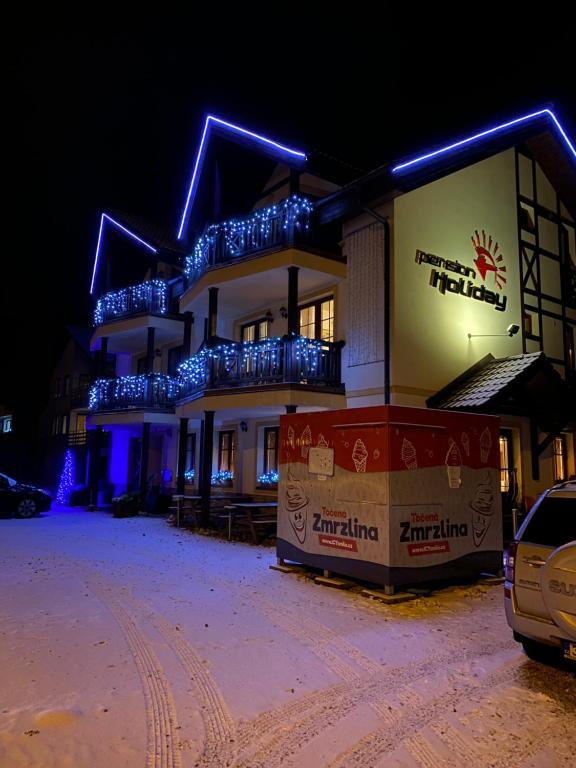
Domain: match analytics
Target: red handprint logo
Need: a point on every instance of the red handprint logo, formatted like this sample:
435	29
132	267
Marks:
488	259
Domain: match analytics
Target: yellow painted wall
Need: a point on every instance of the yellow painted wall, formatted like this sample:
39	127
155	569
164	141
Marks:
430	344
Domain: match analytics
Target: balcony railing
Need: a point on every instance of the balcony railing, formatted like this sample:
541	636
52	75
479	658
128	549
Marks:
151	298
289	360
148	391
284	223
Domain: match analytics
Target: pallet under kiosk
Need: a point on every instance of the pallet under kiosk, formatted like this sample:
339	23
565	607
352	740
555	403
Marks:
390	494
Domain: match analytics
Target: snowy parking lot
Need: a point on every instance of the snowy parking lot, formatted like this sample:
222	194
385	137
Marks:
128	643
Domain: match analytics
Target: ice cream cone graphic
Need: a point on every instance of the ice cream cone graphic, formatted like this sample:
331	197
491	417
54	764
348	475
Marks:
297	506
453	465
408	454
322	442
485	445
482	506
359	456
291	437
305	441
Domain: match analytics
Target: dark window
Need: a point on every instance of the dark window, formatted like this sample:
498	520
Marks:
66	386
570	352
190	464
227	451
58	388
552	524
317	319
174	359
271	449
142	365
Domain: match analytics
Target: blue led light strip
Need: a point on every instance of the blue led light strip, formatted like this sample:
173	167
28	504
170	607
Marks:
105	217
200	155
478	136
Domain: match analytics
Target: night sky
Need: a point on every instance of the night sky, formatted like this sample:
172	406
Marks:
114	124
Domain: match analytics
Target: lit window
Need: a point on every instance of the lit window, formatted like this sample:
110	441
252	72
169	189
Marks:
227	451
256	331
559	455
317	320
504	466
271	449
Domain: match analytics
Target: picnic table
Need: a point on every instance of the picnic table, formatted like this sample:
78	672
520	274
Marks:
184	504
252	515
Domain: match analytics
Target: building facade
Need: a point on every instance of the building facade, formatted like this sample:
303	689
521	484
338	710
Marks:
447	281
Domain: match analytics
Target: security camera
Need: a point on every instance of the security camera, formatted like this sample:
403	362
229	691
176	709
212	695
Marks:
512	330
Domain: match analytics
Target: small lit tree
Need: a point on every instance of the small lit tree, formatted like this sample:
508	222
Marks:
66	480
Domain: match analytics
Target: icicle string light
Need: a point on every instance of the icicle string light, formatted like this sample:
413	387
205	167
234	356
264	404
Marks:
260	230
251	358
152	389
151	296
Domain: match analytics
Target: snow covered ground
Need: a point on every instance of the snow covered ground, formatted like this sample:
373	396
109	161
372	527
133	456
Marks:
127	643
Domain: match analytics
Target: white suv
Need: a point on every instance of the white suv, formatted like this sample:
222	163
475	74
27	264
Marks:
540	576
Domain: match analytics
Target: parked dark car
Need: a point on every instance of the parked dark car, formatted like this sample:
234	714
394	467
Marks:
22	499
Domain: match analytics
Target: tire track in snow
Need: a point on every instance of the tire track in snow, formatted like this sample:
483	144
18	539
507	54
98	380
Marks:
321	709
219	727
382	741
509	751
159	703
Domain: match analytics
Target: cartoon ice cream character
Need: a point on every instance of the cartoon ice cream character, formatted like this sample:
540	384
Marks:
322	442
359	456
297	506
453	463
305	441
485	445
465	440
408	454
482	506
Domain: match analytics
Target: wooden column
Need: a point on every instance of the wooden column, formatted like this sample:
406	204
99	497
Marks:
205	475
144	460
182	440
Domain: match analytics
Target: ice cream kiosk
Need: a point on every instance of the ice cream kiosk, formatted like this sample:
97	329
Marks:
390	494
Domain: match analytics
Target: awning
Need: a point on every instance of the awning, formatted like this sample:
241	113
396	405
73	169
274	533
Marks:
523	385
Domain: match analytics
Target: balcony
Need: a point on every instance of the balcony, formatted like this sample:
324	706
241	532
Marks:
287	223
286	360
152	391
151	298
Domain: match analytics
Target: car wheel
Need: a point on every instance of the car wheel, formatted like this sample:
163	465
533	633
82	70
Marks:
538	651
26	508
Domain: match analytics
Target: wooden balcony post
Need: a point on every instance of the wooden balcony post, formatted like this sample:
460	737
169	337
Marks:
102	357
150	350
293	319
212	313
